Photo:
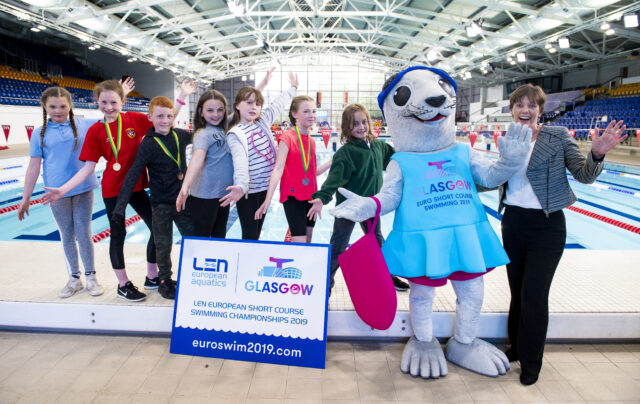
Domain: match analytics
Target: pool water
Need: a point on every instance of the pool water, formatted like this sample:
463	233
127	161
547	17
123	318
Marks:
615	195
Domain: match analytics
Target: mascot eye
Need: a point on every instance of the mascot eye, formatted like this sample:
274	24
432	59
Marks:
446	87
402	95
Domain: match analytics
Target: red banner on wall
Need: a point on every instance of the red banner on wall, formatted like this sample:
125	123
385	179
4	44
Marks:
473	135
29	129
496	135
638	136
572	133
277	134
326	134
6	129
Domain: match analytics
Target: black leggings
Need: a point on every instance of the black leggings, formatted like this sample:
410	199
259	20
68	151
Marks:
209	218
139	201
534	244
247	207
296	213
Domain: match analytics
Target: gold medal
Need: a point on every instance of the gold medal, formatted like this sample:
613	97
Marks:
180	176
305	181
117	167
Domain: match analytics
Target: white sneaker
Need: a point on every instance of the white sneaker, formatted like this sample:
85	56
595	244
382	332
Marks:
71	288
93	287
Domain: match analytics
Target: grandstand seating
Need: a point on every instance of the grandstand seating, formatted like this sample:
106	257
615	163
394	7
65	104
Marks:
19	88
626	90
588	116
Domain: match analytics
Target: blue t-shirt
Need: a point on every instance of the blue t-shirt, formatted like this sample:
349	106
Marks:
59	161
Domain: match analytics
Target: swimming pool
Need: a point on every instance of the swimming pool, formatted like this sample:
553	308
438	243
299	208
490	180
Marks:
615	197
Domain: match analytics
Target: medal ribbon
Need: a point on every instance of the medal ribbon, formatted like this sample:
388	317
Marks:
166	151
305	160
114	148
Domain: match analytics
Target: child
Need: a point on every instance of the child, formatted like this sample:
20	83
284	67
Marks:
162	153
357	166
116	139
251	129
296	171
57	144
223	167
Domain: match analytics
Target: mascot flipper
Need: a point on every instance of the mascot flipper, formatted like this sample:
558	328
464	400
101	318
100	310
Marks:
440	231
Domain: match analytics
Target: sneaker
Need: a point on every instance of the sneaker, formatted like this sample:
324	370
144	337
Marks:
74	285
151	283
93	287
130	293
167	289
401	286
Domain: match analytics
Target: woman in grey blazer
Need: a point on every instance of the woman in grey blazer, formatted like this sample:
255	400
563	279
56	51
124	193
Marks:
533	225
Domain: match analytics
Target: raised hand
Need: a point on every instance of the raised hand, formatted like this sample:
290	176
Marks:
516	143
609	139
293	79
128	85
188	87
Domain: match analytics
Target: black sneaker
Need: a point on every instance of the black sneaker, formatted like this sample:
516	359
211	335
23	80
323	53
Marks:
151	283
167	289
130	293
401	286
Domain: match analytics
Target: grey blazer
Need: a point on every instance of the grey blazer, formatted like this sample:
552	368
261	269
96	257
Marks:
554	152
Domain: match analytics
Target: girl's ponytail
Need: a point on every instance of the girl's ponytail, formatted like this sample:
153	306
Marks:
44	126
72	122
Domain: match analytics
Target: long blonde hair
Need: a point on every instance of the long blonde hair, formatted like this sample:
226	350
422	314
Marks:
57	92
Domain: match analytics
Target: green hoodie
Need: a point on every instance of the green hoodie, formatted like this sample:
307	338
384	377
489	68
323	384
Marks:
356	167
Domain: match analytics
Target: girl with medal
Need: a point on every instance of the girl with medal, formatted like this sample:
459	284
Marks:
162	153
250	128
116	139
295	170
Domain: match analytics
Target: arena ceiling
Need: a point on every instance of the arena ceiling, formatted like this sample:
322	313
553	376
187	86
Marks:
484	41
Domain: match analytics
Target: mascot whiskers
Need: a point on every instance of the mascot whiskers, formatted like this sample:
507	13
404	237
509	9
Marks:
440	230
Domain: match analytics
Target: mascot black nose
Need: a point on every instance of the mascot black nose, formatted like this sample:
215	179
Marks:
436	101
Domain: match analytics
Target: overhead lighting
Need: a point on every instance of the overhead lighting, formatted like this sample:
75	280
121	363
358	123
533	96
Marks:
610	31
41	27
553	49
521	57
252	77
432	55
158	68
236	7
260	41
244	78
548	45
473	29
467	75
35	28
92	47
132	59
21	15
564	43
124	52
630	20
605	26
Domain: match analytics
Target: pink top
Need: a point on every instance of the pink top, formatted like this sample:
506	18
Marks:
293	177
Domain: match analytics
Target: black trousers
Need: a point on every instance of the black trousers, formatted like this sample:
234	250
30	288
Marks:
210	219
342	229
247	207
140	202
164	215
534	244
